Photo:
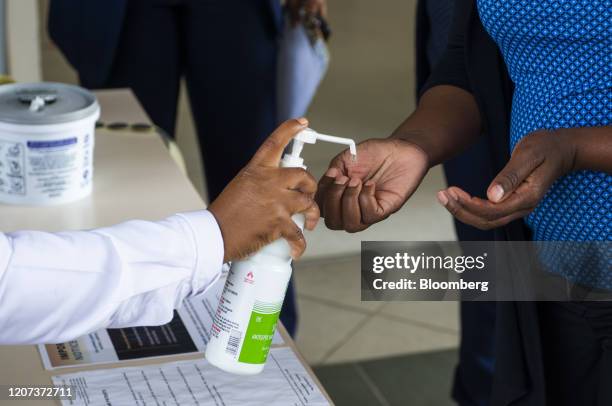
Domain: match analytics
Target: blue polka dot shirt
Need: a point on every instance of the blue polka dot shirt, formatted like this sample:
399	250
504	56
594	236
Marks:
558	55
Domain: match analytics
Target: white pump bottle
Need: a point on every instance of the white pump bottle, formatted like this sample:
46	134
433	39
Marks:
248	311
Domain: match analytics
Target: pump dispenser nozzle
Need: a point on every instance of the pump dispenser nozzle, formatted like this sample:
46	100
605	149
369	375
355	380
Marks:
309	136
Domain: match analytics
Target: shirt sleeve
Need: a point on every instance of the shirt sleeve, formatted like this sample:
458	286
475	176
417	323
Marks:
55	287
451	69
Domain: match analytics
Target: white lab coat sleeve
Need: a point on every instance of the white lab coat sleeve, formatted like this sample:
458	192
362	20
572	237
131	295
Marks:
56	287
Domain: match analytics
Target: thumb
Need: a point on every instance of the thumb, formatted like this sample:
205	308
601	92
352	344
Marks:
270	152
520	166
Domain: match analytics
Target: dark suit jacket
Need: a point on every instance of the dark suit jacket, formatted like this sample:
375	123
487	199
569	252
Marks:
423	30
88	31
473	62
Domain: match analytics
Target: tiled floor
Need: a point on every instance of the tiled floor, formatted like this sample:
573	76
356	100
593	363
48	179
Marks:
420	379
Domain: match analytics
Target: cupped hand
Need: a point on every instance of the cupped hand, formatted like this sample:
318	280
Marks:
255	209
354	194
537	161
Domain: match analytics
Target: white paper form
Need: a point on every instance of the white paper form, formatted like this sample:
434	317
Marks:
284	382
188	332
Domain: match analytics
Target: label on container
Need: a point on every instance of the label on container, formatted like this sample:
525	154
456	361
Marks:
259	334
44	171
246	318
12	168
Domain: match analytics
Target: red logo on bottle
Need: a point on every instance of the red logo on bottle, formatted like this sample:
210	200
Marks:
250	278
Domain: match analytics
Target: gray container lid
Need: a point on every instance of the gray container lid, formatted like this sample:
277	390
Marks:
45	103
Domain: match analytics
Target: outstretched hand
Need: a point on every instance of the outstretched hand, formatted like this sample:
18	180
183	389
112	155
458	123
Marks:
353	195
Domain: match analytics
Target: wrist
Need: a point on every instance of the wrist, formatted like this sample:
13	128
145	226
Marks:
220	223
592	147
415	142
571	145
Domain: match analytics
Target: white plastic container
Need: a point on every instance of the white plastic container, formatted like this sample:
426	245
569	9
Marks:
250	304
46	143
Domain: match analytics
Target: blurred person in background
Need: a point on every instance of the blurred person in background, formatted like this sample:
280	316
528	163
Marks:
226	50
472	171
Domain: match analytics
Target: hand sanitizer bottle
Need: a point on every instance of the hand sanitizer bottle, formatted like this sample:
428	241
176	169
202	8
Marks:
248	310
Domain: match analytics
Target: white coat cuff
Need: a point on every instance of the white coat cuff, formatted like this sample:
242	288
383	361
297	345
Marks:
209	248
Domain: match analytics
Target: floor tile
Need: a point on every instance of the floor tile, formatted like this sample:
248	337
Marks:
419	379
345	386
443	315
382	337
334	281
323	328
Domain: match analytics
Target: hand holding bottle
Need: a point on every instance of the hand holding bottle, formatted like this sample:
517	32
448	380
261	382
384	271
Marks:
255	209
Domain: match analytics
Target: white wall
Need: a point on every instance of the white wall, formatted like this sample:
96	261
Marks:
23	40
3	67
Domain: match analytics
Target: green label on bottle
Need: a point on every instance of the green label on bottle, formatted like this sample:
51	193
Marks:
260	332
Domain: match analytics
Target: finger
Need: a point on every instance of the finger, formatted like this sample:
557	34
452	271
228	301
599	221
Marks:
523	198
522	163
294	236
371	211
312	215
333	203
326	181
271	151
351	212
297	202
300	180
458	211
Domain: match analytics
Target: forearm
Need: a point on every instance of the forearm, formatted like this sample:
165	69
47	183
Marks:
446	121
57	286
593	148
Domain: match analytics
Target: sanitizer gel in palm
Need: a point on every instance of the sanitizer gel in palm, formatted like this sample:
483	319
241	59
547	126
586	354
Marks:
248	311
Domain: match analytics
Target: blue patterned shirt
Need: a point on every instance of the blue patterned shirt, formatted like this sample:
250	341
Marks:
558	54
